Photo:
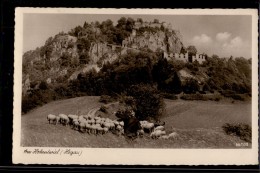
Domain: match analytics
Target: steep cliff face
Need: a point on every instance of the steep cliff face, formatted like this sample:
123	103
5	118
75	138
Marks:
166	41
63	44
102	52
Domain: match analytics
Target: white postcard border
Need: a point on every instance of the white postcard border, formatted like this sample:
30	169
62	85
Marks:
116	156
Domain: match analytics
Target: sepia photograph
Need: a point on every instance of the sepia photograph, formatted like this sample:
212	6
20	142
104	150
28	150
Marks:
125	83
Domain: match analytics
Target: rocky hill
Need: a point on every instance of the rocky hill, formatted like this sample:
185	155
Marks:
66	55
107	59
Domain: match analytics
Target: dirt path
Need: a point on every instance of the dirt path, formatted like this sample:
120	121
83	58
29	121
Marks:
93	111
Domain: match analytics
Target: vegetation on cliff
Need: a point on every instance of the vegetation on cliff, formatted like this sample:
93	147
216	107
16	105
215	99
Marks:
48	70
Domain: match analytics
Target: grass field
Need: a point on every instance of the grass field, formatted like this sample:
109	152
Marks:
197	123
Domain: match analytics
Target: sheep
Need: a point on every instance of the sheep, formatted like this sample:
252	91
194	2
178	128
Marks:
140	132
105	130
98	121
173	135
58	119
82	126
112	126
156	134
88	128
71	118
75	124
148	127
143	122
107	125
99	129
118	127
64	119
159	128
164	137
97	118
81	118
116	122
52	118
94	129
121	123
87	117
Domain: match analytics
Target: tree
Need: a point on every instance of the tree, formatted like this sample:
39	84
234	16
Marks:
76	31
140	20
148	102
155	21
129	24
214	56
162	71
121	22
86	25
192	50
176	84
183	50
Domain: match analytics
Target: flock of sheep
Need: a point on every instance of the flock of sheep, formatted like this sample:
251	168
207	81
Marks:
157	132
85	123
98	125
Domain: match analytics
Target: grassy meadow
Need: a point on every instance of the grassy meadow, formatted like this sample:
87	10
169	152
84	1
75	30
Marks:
197	123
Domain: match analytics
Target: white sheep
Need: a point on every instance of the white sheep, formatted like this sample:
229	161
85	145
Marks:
71	118
140	132
164	137
112	126
82	126
156	134
173	135
148	126
58	119
105	130
52	119
75	124
93	129
116	122
159	128
107	125
64	119
88	128
121	123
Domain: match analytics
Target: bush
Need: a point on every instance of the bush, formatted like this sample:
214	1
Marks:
191	86
103	108
227	93
238	97
204	97
241	130
233	95
169	96
214	97
35	98
124	113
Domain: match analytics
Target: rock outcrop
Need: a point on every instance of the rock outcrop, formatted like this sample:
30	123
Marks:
60	58
167	42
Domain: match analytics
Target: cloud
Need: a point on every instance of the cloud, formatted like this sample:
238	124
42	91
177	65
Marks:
222	36
201	39
235	43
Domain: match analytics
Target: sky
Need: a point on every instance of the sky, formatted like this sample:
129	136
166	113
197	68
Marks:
223	35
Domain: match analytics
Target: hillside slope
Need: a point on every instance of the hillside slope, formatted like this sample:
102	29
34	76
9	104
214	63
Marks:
198	125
